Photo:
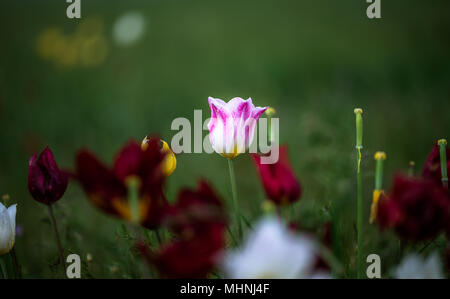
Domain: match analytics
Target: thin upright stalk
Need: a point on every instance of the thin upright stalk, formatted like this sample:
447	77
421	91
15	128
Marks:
235	198
360	221
359	195
58	241
16	263
3	268
443	154
158	237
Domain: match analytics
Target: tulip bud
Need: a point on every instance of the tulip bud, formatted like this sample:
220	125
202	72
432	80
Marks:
46	182
279	180
270	111
378	191
170	161
7	228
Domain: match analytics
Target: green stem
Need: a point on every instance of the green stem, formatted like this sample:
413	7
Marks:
360	208
412	165
16	263
359	219
58	240
235	198
379	174
133	183
158	237
3	268
443	153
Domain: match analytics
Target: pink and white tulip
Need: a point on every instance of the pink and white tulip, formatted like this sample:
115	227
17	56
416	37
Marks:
232	125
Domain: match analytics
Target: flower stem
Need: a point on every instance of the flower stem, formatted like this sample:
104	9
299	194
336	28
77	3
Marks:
443	153
378	190
58	241
16	263
235	198
360	207
3	268
158	237
412	165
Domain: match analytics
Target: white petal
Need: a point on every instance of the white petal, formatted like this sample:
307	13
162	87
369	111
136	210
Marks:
6	233
12	217
271	251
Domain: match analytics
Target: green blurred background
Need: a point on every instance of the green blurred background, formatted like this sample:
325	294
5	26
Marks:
73	83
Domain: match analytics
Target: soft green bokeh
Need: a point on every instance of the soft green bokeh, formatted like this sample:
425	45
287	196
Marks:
313	60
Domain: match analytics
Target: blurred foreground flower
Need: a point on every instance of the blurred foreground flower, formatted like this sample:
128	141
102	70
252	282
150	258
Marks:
232	125
272	251
170	161
278	179
108	189
7	228
414	266
198	221
416	209
46	182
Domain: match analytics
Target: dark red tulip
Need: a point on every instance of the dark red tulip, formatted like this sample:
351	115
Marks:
46	182
198	222
278	179
432	167
416	209
107	188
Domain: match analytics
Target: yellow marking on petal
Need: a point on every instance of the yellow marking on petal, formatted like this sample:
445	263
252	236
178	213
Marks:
169	163
232	154
374	206
123	209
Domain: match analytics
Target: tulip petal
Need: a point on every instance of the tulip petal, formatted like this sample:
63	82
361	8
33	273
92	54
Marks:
128	161
6	233
12	216
232	125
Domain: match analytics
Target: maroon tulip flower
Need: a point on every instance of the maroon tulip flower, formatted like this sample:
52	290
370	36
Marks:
46	182
432	167
108	188
416	209
198	222
278	179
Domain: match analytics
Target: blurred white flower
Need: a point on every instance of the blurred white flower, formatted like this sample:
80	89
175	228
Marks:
128	28
7	228
272	251
414	266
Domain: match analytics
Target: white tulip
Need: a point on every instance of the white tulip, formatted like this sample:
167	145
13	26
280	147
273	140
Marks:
415	267
7	228
272	251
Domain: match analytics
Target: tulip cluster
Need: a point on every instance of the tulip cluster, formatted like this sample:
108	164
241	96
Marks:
108	189
198	222
417	208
